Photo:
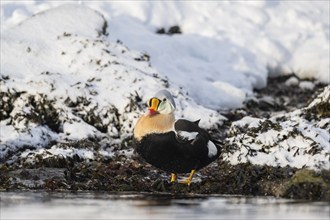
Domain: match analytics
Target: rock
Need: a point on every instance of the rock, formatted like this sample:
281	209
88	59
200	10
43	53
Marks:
172	30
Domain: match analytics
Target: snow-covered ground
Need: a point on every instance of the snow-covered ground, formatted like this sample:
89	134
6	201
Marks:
289	139
92	82
227	47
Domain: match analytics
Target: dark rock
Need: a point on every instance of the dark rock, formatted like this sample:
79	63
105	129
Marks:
172	30
161	31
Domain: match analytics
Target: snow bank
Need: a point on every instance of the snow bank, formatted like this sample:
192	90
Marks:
226	49
297	139
63	80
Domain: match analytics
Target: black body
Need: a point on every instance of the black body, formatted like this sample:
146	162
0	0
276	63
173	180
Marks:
171	153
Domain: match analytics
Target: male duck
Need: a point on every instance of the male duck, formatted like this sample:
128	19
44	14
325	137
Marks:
175	146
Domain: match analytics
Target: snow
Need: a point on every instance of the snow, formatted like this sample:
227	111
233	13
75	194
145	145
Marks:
235	44
79	83
283	140
321	98
94	85
247	121
306	85
292	81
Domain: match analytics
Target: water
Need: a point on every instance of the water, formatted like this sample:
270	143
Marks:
44	205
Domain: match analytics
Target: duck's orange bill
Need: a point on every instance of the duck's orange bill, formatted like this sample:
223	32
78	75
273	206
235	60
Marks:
152	112
153	104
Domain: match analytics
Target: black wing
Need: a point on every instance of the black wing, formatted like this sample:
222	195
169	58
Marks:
199	139
185	125
202	138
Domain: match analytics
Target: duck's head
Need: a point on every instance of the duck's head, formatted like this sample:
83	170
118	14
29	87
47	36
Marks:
161	103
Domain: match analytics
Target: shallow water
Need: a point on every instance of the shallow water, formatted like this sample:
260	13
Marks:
44	205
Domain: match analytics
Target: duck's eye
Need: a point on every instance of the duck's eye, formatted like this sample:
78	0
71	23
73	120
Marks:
164	99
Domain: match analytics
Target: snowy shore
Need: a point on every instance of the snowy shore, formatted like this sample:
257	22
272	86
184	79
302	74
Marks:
73	90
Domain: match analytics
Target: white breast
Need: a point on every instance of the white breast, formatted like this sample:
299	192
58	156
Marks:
212	149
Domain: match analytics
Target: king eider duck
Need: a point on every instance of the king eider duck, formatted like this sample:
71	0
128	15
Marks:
175	146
